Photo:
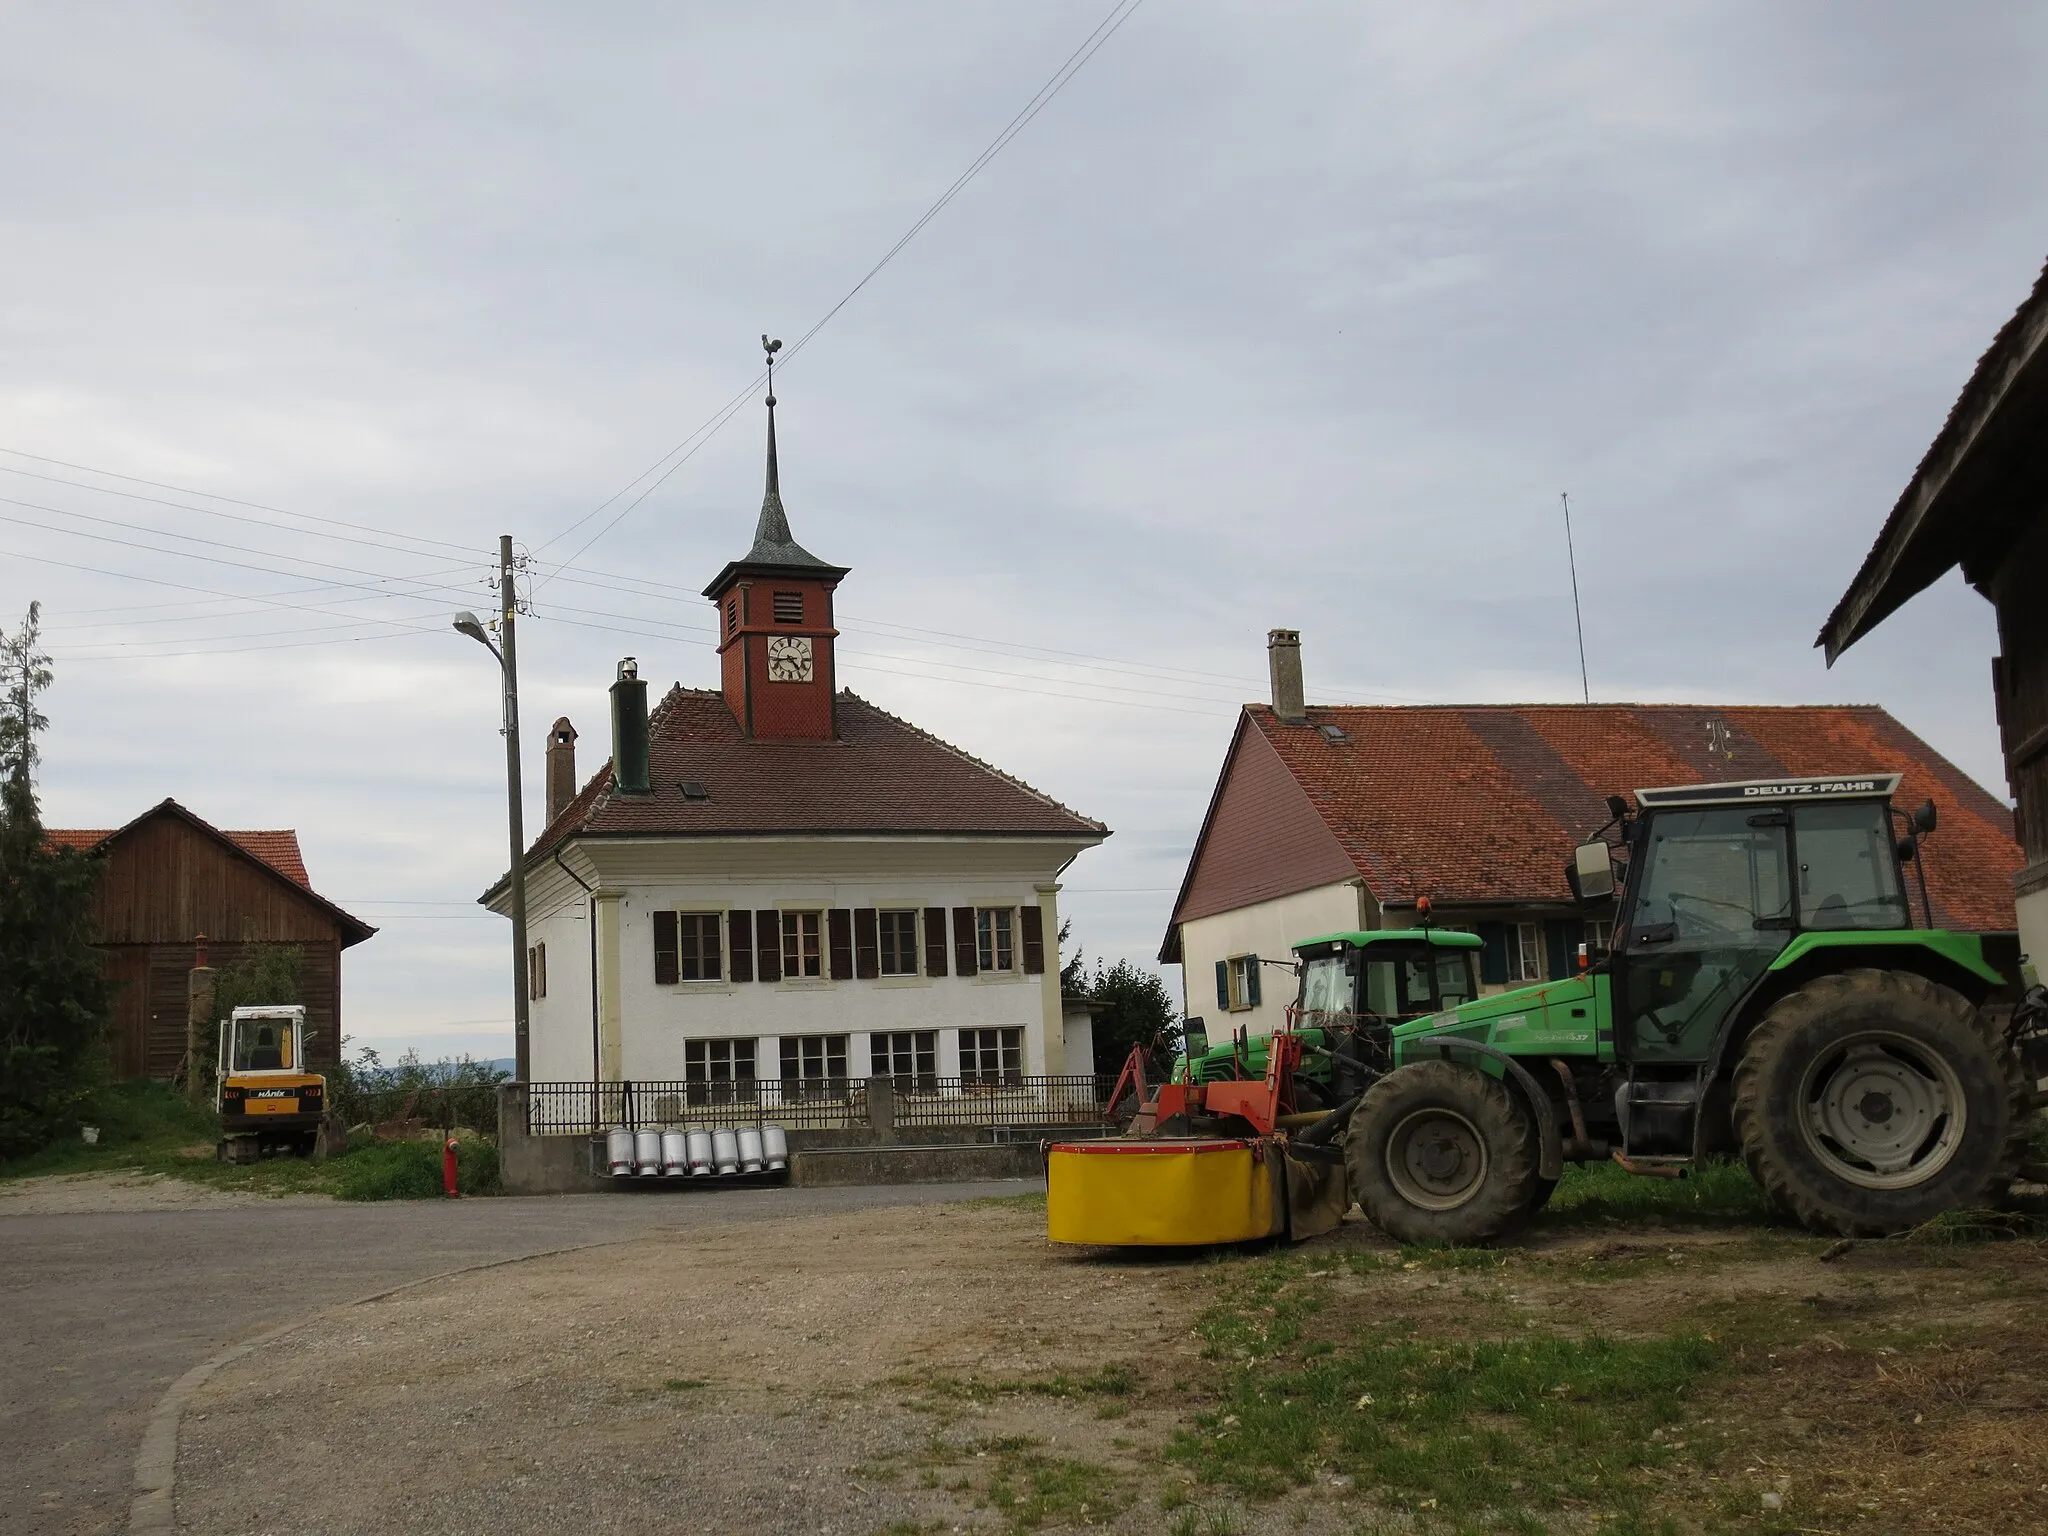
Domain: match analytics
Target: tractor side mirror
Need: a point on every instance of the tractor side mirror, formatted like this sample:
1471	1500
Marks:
1906	846
1591	873
1617	806
1195	1036
1924	819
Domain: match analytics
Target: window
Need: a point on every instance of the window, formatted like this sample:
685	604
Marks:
814	1066
718	1071
789	607
899	943
992	1057
1454	978
1525	952
1848	874
910	1057
1599	939
1243	976
801	952
994	941
687	947
537	971
1326	983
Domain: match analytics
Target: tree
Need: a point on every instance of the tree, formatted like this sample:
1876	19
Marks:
1137	1010
266	976
53	988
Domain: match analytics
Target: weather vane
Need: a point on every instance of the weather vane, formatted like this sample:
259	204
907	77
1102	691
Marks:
771	348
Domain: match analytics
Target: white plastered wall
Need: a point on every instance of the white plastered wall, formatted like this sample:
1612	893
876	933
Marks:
644	1026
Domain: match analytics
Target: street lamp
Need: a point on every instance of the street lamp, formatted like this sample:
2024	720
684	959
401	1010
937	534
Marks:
469	624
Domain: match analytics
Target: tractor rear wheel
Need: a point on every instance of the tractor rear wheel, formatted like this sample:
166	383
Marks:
1870	1101
1441	1153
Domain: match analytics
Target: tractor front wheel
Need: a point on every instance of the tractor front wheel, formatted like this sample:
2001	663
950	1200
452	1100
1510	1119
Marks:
1870	1101
1441	1153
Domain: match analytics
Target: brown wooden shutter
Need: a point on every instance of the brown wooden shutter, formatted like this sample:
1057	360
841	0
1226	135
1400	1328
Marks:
1034	940
840	922
867	944
963	942
739	932
666	971
935	941
768	946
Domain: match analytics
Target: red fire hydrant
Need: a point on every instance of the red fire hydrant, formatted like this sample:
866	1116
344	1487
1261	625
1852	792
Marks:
448	1167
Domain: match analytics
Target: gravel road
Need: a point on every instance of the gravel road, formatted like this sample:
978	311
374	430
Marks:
105	1307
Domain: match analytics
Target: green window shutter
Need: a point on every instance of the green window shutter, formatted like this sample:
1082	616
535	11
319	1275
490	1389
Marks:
1223	985
1251	971
1574	933
1556	952
1493	958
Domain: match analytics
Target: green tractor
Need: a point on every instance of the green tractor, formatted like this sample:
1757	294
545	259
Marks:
1767	994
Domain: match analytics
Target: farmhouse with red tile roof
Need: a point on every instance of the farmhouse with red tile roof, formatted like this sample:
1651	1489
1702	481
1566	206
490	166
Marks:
1341	817
774	886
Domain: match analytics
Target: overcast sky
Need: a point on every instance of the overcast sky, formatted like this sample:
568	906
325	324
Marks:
1289	314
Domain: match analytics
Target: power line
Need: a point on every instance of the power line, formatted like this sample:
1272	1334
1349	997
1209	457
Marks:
1108	27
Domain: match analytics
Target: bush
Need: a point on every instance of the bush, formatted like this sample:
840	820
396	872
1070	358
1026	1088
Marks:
410	1170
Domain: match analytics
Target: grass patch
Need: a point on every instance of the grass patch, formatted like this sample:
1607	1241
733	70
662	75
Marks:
1031	1489
684	1384
145	1127
1718	1193
1454	1429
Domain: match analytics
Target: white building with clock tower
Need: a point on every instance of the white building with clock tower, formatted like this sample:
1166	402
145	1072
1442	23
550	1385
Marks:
775	880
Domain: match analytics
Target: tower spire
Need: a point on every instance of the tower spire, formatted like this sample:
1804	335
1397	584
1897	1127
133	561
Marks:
774	492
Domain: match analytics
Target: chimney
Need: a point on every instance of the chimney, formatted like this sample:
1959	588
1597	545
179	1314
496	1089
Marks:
1283	658
629	731
561	768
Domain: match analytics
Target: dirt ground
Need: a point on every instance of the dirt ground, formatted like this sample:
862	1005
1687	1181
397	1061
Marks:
943	1368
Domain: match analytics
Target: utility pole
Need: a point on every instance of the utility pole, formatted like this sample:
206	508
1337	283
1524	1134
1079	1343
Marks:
508	607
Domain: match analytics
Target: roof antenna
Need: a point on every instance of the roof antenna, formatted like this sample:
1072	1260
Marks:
1585	688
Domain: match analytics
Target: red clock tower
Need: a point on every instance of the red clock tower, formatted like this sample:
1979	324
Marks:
775	629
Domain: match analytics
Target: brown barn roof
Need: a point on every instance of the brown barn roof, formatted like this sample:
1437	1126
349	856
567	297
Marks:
276	849
882	775
1478	804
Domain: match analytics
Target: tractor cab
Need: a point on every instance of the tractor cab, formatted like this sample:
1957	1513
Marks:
1355	987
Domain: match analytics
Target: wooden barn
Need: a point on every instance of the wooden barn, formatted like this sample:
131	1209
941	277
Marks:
171	878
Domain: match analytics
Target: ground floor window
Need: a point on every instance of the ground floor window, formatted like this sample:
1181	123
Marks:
909	1056
719	1071
992	1057
814	1066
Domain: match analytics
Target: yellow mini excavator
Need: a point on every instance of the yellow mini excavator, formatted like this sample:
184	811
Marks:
269	1103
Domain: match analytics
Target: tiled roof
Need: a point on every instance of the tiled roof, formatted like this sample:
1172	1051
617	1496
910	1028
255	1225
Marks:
1482	803
881	775
279	848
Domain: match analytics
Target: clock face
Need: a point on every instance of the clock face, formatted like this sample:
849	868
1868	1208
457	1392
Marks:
789	658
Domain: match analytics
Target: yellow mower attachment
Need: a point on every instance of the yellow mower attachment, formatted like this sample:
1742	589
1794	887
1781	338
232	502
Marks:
1170	1192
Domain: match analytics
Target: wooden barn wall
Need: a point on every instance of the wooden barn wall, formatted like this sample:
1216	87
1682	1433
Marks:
167	882
147	1032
